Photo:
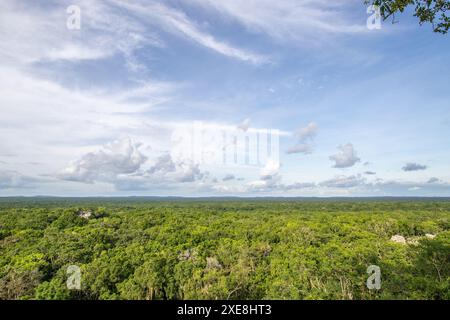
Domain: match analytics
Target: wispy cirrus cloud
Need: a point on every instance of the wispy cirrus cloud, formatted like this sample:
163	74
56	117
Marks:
31	33
288	20
177	22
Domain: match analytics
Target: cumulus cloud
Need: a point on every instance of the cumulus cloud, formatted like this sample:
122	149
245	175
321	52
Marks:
166	170
116	158
162	165
411	166
304	137
270	169
269	178
346	158
122	164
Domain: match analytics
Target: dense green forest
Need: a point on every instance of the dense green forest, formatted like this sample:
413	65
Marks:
223	249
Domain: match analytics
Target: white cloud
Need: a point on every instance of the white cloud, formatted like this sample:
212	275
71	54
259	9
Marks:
270	169
269	179
75	52
45	120
288	20
355	185
308	132
304	138
116	158
165	170
39	112
42	117
122	164
32	34
177	22
346	157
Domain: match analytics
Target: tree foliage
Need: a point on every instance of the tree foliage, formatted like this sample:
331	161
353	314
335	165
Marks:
224	249
427	11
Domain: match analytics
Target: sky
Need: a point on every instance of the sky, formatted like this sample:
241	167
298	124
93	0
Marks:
220	98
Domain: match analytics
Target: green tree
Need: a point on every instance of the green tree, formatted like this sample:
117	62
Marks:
428	11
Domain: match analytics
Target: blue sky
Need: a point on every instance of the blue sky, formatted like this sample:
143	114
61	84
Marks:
93	111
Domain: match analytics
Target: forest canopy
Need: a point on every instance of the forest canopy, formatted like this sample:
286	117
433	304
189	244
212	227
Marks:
224	249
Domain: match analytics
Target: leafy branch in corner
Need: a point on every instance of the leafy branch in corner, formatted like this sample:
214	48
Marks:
428	11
